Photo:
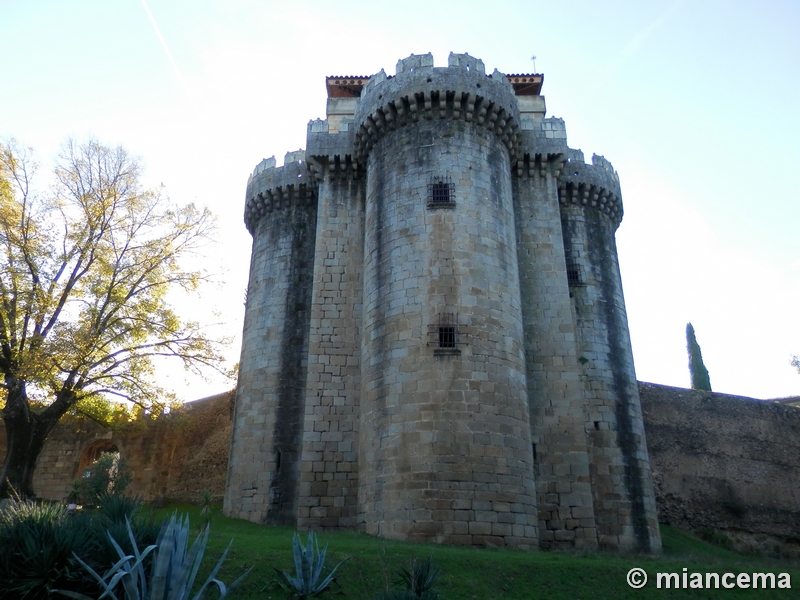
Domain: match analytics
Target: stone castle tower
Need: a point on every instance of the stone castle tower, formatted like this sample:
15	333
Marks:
435	340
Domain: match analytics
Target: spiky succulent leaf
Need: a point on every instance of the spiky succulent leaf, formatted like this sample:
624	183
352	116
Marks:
309	563
173	572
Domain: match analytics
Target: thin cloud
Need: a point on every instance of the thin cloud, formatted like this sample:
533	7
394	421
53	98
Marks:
163	42
641	37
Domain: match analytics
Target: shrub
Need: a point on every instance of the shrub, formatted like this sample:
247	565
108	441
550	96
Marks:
205	509
108	475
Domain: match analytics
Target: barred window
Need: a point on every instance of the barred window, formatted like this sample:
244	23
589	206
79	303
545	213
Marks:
446	334
441	193
574	275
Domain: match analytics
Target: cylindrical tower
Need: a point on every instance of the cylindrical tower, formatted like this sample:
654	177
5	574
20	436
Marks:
263	471
624	502
445	452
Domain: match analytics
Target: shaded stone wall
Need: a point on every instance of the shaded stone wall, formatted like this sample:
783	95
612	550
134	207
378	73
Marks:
328	489
556	395
264	470
200	460
591	209
173	458
723	462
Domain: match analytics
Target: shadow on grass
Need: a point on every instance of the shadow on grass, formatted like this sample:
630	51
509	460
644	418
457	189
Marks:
479	574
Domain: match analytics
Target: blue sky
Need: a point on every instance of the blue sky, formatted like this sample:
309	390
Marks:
694	103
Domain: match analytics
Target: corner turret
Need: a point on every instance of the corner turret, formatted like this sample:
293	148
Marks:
594	186
270	187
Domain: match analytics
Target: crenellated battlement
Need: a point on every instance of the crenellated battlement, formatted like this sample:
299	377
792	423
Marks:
595	185
414	62
467	62
418	91
271	188
552	128
331	152
323	126
543	145
600	161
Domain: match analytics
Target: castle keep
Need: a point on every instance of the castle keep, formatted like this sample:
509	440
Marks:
435	341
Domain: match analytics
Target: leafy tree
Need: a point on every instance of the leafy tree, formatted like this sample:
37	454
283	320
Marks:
698	371
84	276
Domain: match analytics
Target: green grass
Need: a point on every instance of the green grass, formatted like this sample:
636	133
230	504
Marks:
480	574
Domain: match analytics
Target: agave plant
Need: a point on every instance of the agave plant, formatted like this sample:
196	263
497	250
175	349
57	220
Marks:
309	562
173	568
421	578
117	507
419	581
110	521
37	542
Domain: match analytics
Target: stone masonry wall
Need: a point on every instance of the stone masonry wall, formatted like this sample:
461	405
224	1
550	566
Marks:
281	213
445	444
200	461
624	502
173	458
444	449
555	392
724	462
328	487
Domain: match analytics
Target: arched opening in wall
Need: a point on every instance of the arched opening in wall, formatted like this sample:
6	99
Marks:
90	455
101	471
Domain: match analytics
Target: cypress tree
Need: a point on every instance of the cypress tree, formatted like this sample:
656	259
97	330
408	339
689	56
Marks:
697	370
